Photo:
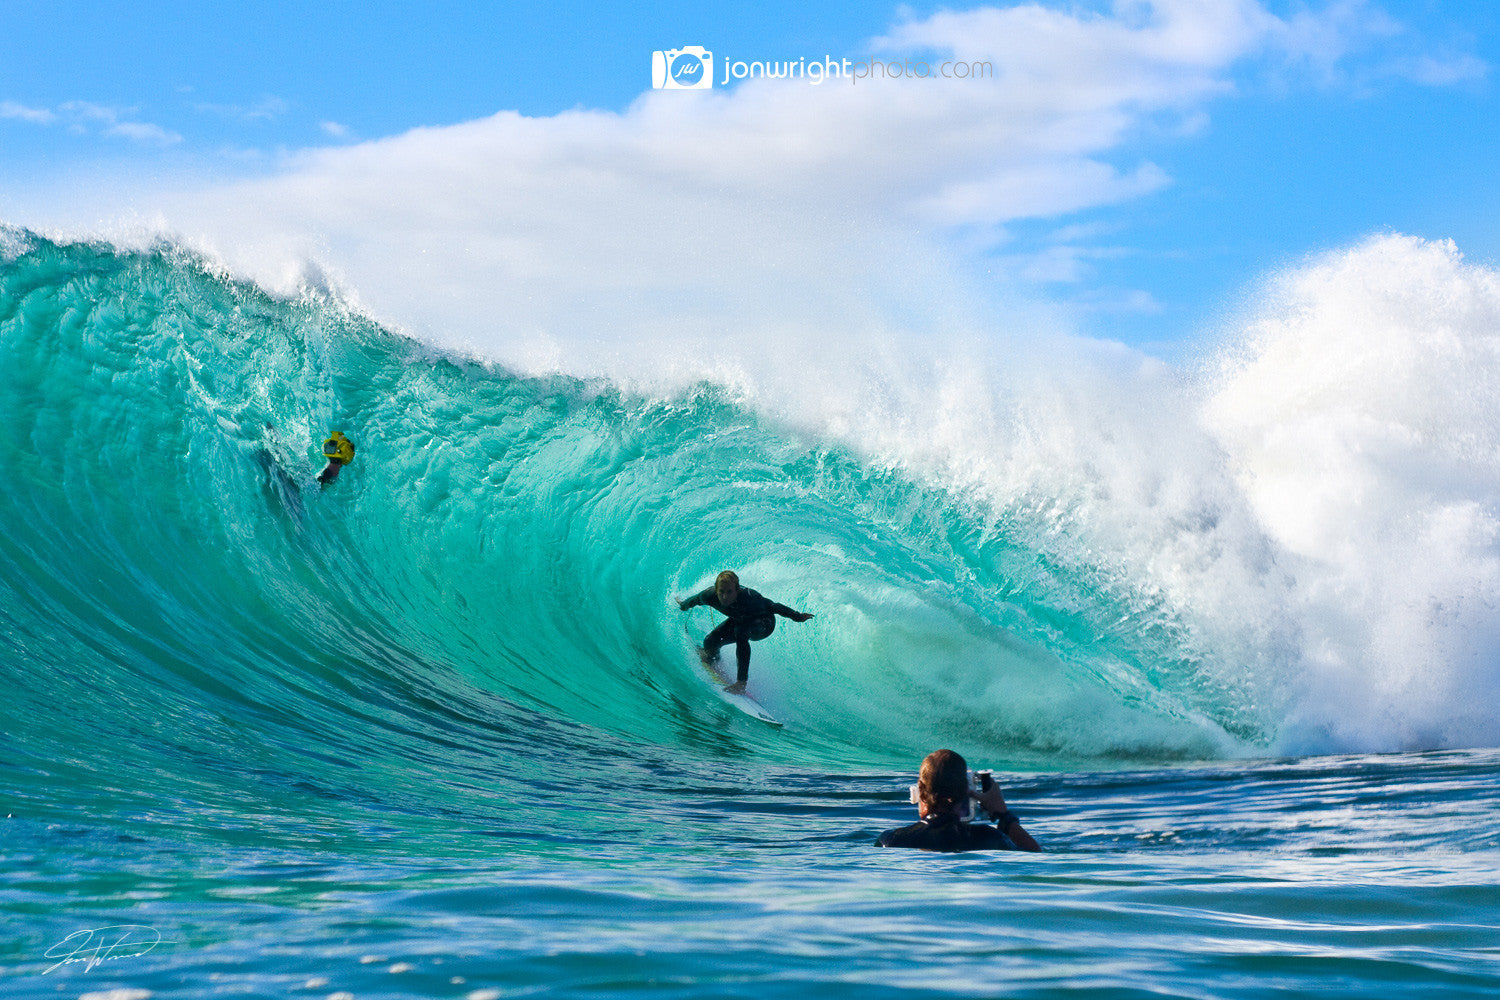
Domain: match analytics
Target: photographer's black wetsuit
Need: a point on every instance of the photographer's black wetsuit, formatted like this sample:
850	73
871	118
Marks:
947	833
751	616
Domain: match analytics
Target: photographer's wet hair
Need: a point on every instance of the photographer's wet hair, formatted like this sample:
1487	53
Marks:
943	783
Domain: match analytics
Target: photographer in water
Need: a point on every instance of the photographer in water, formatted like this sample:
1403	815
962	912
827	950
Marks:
943	797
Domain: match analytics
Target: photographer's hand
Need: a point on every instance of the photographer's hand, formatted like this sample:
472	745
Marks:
990	800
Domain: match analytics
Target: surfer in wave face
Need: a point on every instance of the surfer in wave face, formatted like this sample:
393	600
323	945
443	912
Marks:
339	451
751	616
942	792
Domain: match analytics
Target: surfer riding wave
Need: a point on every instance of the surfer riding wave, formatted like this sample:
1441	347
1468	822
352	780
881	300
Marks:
751	617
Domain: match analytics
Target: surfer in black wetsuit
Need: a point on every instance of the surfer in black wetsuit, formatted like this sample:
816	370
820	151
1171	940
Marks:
942	790
751	616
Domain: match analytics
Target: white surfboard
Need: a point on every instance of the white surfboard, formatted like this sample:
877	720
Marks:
743	702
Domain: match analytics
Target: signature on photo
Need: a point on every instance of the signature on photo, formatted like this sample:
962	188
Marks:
103	944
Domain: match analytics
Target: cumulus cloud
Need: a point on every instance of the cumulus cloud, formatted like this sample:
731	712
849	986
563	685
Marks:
760	214
770	209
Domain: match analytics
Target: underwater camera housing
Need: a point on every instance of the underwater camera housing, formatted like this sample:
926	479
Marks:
968	809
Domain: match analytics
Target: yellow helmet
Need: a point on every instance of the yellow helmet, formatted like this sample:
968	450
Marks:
338	448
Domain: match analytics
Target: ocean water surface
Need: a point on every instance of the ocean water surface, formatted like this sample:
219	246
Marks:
437	730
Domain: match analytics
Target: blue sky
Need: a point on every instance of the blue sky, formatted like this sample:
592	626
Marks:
1336	121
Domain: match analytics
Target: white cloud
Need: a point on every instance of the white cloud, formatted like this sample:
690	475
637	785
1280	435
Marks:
83	117
81	111
1352	43
20	112
1161	52
1435	71
1322	39
1043	190
143	132
769	210
1062	263
266	109
757	215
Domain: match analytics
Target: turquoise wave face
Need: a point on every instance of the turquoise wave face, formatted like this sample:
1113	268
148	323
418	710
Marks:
495	571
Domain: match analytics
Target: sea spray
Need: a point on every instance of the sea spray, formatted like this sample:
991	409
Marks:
1360	411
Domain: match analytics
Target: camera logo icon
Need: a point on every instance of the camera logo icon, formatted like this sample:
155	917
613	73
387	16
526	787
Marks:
688	68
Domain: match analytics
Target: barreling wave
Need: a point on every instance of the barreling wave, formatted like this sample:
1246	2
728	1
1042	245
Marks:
494	572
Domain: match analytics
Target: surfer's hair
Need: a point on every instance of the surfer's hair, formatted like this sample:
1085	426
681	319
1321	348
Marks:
723	580
943	783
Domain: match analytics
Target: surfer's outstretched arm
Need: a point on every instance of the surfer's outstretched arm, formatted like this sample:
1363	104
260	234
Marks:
792	613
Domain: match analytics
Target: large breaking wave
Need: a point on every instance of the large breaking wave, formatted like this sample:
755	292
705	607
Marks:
1049	559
